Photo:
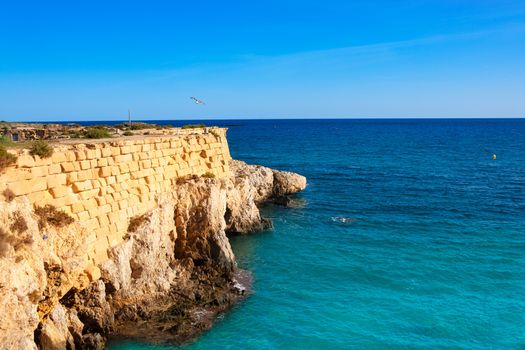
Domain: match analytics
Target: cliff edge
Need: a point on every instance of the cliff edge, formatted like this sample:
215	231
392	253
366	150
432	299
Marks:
168	278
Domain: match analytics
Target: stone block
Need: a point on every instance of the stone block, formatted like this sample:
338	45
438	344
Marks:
80	155
92	223
106	152
67	167
84	175
123	168
71	178
111	180
40	198
91	154
88	194
122	178
76	166
93	213
145	164
115	151
16	174
59	191
101	200
58	157
39	171
23	187
83	216
77	207
82	186
90	203
105	209
102	162
85	164
104	171
70	156
123	158
103	221
56	180
25	161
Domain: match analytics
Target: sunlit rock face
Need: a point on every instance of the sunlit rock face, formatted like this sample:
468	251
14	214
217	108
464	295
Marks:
251	185
166	282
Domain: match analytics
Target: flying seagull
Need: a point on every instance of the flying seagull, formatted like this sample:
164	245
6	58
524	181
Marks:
197	101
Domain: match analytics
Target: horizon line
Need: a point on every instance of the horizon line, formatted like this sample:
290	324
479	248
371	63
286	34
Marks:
125	119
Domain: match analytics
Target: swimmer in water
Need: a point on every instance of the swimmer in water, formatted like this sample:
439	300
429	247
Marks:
344	220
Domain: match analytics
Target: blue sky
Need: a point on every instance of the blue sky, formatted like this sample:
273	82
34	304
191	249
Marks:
89	60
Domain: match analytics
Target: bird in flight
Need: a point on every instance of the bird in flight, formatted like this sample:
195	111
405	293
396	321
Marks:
197	101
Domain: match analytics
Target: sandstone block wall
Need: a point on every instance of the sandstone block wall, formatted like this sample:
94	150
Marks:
102	184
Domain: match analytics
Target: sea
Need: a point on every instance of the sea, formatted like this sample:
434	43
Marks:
410	235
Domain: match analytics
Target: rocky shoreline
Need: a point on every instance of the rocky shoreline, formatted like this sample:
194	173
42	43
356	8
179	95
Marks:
174	273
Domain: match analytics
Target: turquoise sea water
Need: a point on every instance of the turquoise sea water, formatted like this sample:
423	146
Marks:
432	255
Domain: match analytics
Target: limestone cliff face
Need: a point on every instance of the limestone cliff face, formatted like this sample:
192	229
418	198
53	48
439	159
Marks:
251	185
172	274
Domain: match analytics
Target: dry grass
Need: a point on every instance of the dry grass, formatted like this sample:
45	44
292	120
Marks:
209	175
52	216
5	242
19	223
183	179
8	195
137	221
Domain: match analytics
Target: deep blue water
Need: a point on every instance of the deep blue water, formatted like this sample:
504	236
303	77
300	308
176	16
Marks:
433	253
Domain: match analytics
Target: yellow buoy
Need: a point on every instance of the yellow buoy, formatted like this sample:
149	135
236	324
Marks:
493	156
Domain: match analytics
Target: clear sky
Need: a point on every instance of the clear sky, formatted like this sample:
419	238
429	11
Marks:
87	60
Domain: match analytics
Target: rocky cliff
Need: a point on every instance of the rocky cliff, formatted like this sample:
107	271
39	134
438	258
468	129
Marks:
167	280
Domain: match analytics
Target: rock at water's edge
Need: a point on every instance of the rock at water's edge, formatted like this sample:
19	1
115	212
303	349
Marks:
172	275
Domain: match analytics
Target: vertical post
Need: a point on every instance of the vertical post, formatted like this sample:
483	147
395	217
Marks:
129	118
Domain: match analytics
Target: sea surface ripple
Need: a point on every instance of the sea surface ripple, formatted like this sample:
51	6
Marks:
409	236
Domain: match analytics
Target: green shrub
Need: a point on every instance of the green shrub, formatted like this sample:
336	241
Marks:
142	126
193	126
135	126
4	140
97	133
41	148
51	215
6	158
74	134
209	175
128	133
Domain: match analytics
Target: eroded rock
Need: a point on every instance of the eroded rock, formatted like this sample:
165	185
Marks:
251	185
166	283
